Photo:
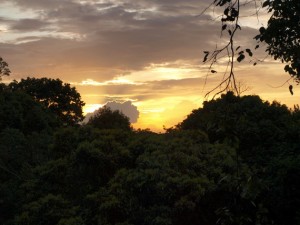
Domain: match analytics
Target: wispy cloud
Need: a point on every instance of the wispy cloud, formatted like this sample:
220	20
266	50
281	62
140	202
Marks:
117	81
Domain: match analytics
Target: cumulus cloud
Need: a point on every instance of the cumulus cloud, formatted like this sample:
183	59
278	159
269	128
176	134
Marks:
127	108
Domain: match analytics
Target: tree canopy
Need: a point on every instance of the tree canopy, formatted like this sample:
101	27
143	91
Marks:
266	138
105	118
4	70
233	161
253	125
60	98
19	111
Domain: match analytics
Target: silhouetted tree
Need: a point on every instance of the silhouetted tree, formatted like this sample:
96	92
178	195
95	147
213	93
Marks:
19	111
282	34
53	94
4	70
105	118
105	173
266	138
252	124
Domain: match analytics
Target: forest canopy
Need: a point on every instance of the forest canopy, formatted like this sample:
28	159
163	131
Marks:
58	97
233	161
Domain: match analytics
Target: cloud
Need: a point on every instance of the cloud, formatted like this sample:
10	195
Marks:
108	36
127	108
29	25
125	50
103	41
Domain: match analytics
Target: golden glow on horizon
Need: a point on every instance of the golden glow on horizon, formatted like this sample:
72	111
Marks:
159	113
165	112
152	121
170	106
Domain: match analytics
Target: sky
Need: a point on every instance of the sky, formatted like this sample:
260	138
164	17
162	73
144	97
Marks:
144	57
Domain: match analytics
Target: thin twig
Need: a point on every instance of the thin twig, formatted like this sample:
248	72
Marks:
287	81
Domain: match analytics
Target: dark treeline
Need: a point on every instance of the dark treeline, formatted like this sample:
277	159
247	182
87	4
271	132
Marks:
234	161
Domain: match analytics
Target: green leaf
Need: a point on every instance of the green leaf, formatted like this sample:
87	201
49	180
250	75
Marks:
266	3
241	58
262	30
257	37
249	52
286	68
206	56
226	11
291	89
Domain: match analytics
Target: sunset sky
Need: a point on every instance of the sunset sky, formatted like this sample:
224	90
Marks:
146	54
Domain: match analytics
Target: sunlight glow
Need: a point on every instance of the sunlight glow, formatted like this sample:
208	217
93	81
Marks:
3	28
117	81
165	112
156	72
89	108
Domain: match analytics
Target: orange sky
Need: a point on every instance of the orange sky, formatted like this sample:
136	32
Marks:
146	52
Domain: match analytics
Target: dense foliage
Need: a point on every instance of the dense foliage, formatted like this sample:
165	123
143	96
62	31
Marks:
234	161
58	97
282	33
105	118
266	137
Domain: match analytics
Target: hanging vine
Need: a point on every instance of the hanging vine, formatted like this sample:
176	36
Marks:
281	36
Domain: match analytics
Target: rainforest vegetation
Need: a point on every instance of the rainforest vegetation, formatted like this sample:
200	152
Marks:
235	160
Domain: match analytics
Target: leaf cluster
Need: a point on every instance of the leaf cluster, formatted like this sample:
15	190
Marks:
54	95
105	118
282	34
